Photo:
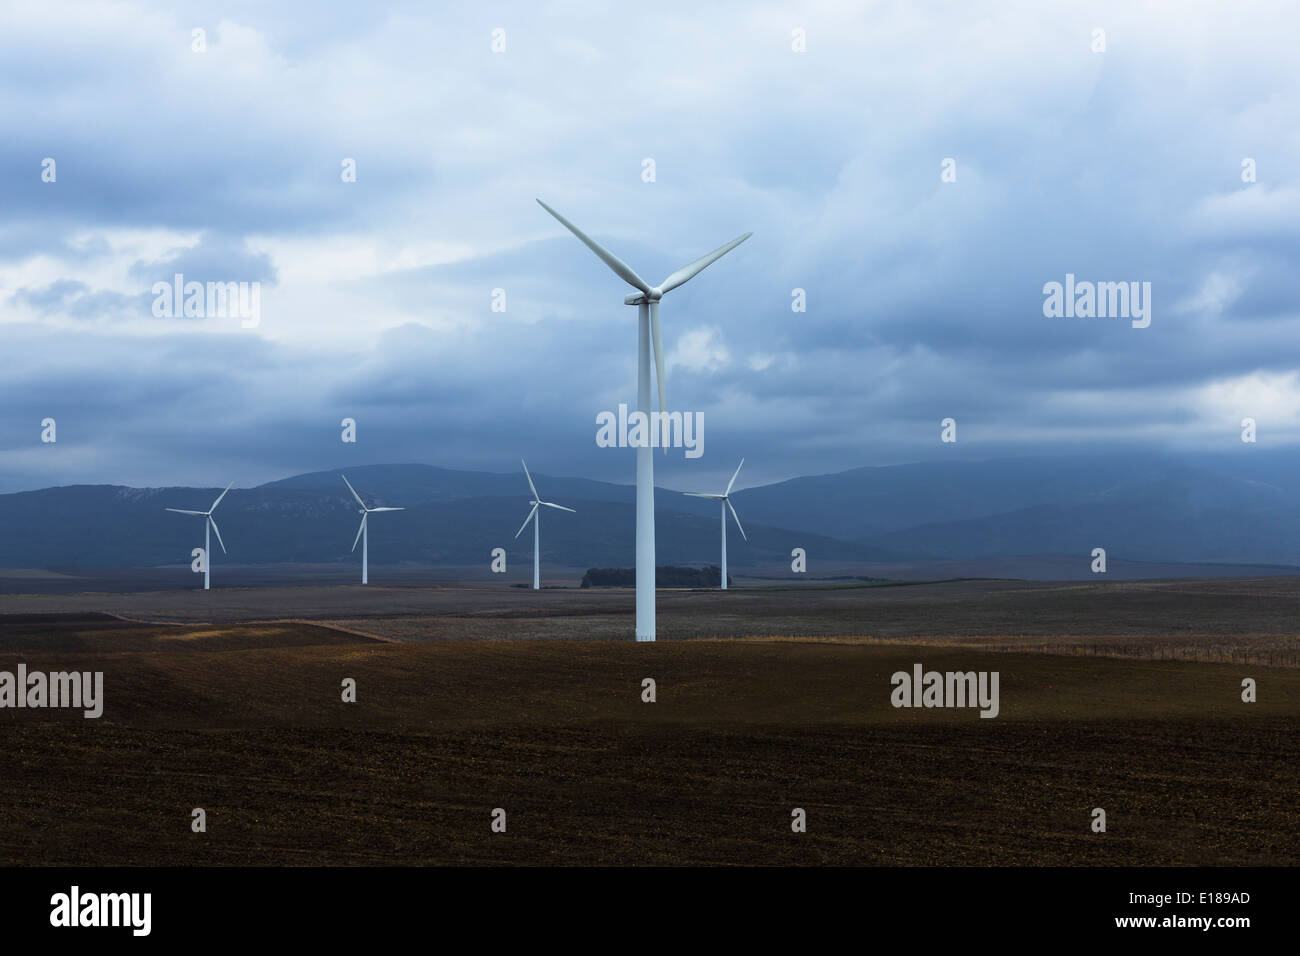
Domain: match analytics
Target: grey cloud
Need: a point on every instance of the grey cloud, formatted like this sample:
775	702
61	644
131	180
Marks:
924	298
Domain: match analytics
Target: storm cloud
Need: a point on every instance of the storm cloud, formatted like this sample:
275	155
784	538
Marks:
924	297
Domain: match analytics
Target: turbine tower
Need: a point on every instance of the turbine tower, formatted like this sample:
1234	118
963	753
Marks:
363	535
646	299
536	519
209	523
726	503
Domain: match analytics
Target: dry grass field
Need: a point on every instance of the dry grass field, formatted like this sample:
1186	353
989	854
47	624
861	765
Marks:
245	720
1241	619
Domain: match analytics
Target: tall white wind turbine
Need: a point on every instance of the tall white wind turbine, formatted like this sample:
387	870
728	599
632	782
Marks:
646	299
726	504
535	517
209	523
363	535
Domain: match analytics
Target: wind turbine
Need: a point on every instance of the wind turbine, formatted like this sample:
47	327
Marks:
726	503
536	519
363	535
211	523
646	299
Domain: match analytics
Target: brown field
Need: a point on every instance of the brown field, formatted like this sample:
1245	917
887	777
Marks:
1249	620
245	720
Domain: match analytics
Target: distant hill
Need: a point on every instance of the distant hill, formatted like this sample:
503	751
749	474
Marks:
415	485
1239	507
452	518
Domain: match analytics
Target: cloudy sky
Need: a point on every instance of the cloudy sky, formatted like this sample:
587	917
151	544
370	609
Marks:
924	297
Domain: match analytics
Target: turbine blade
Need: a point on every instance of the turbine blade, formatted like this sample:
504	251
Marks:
659	358
552	505
621	268
354	493
531	486
700	494
213	521
182	511
360	528
736	516
733	478
686	273
526	520
219	497
373	510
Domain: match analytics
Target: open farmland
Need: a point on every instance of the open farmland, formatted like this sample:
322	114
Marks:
1232	620
245	720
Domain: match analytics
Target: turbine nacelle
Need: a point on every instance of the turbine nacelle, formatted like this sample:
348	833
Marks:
725	498
646	294
536	501
207	515
361	530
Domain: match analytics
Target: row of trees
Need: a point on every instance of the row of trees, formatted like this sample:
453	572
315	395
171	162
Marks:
667	576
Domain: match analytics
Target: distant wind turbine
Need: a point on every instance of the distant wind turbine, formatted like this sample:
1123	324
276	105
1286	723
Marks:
211	522
363	535
647	301
726	503
536	519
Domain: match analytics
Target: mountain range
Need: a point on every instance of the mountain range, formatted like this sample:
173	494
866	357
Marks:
1235	508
